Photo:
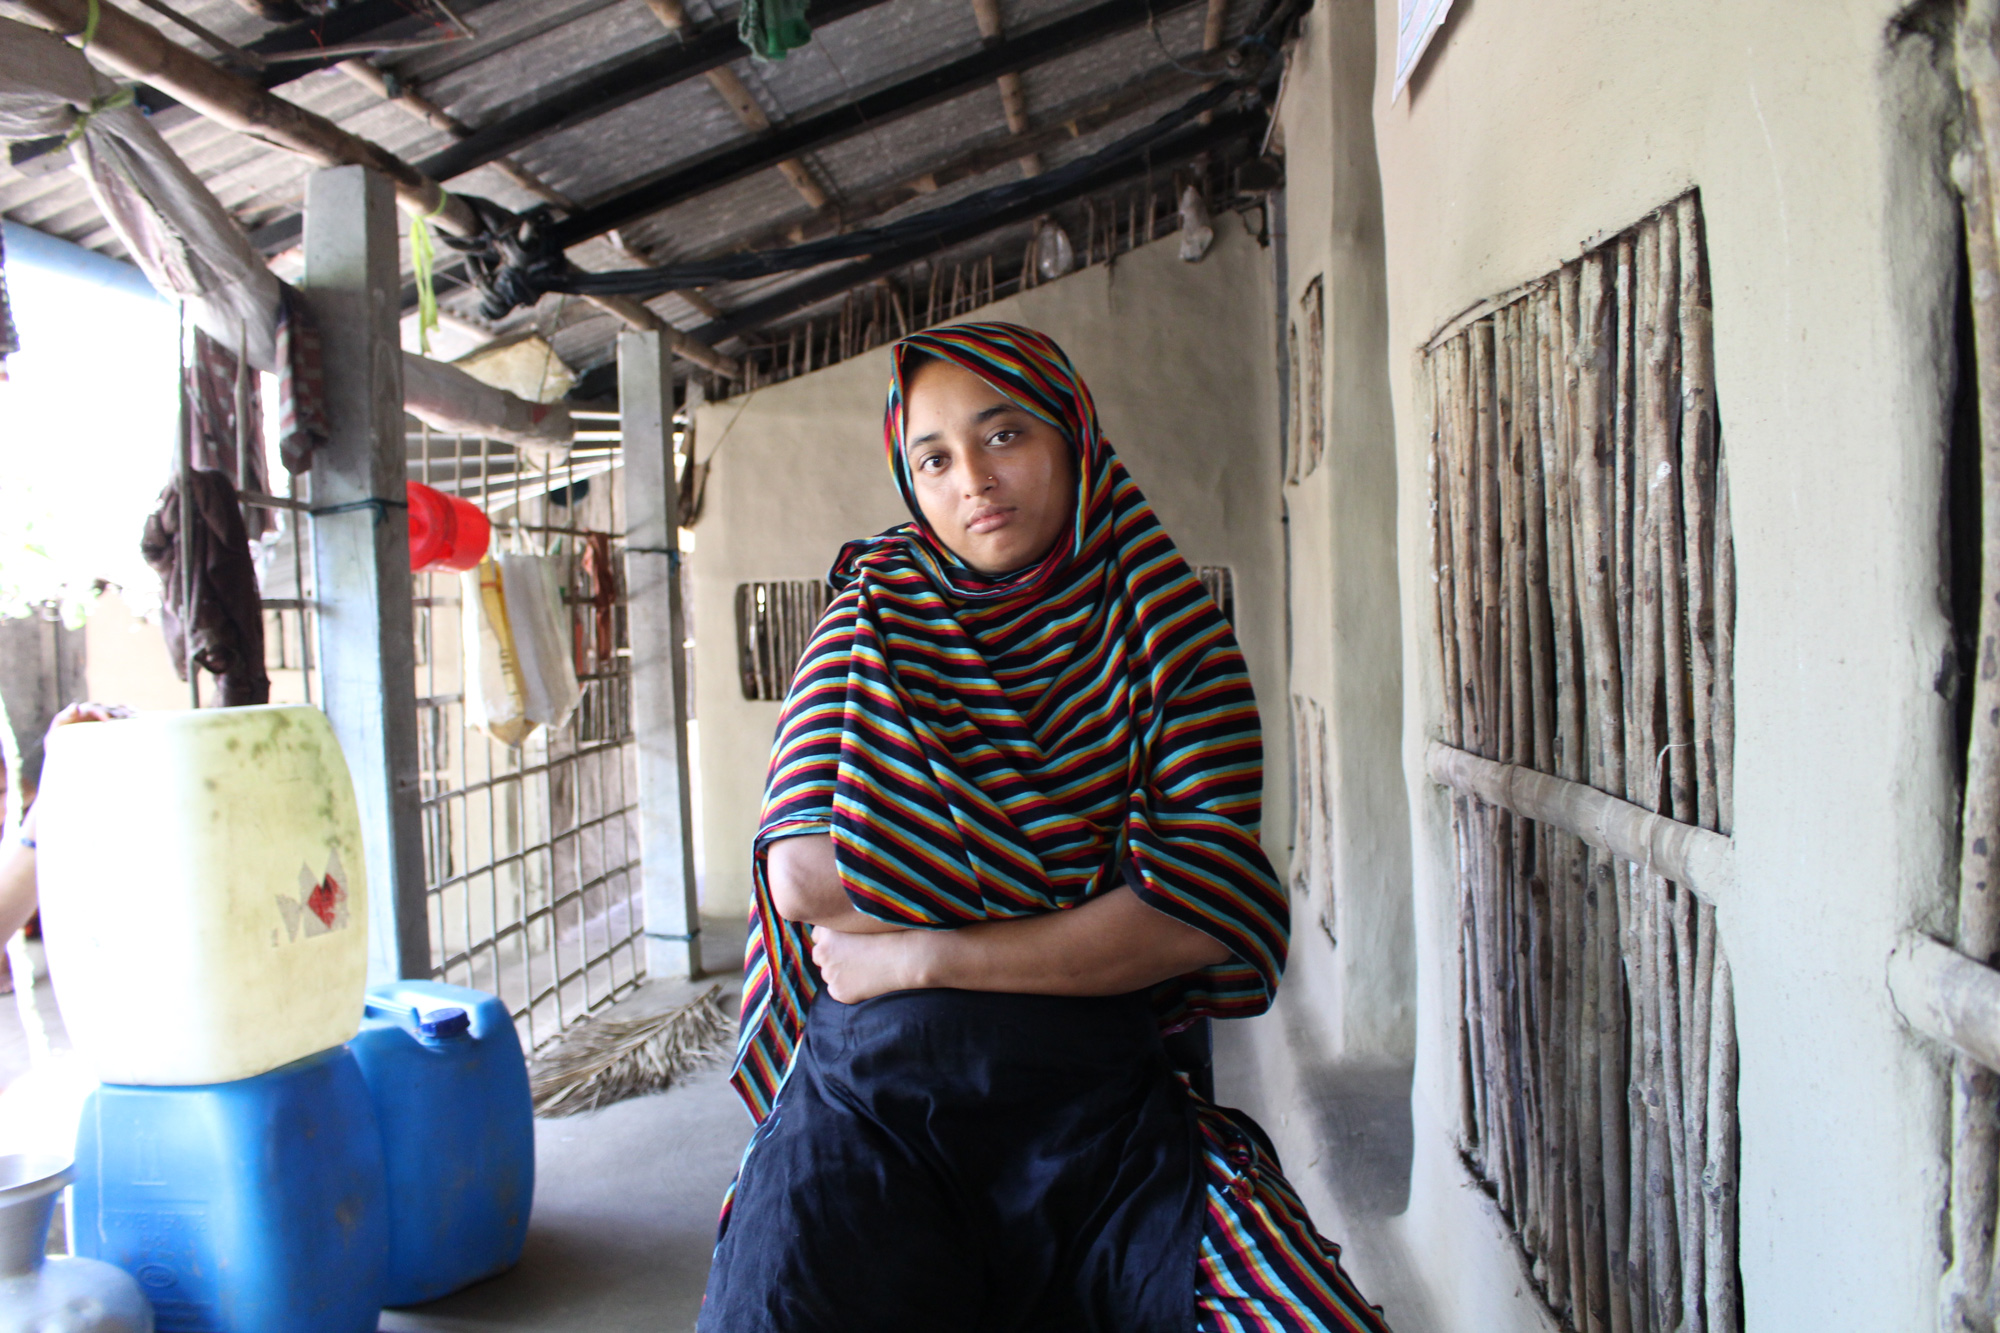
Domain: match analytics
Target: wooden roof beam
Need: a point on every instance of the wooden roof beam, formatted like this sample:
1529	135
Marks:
673	15
1227	127
1072	121
604	88
141	52
1063	37
403	95
1013	100
583	97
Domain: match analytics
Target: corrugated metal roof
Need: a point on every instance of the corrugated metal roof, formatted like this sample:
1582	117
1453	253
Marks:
525	48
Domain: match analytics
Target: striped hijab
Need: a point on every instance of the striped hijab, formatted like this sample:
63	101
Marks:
984	747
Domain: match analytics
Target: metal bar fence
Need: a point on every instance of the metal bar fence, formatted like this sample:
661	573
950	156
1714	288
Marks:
532	851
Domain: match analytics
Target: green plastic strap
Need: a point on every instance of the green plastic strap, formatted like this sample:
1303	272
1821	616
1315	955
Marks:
423	259
109	102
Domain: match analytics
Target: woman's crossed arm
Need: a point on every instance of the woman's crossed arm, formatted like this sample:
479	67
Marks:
1111	945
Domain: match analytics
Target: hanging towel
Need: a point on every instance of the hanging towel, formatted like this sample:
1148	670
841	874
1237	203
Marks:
226	620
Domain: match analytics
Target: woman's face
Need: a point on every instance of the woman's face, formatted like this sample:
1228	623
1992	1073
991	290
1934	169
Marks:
995	482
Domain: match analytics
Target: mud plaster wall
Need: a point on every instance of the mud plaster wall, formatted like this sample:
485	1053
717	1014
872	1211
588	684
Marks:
1815	136
1181	360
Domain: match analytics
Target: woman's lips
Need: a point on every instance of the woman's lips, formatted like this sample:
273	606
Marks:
988	519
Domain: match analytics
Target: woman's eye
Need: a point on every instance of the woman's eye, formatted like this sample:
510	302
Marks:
930	462
1006	437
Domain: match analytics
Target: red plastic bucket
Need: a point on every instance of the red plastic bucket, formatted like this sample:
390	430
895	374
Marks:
445	531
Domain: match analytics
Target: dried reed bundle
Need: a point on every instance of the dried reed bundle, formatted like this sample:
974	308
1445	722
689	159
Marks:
607	1060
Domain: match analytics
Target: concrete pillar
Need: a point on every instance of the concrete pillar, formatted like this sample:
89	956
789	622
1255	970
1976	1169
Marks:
361	554
659	635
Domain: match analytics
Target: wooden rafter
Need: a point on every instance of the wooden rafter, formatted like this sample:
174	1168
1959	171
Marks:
673	16
583	97
1225	128
1064	37
1013	100
139	51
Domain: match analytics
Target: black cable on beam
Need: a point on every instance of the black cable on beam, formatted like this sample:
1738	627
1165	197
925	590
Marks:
607	87
1038	46
1196	139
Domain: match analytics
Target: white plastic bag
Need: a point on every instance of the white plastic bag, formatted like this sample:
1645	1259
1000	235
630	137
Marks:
542	638
495	696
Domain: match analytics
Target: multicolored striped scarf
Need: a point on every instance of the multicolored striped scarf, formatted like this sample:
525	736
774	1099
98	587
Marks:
986	747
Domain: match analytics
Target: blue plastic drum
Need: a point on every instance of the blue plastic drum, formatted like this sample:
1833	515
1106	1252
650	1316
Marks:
450	1088
243	1207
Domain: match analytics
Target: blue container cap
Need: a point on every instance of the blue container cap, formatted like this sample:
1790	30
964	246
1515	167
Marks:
444	1024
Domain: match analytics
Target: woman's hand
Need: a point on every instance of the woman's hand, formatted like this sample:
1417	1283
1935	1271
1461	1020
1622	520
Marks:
859	967
1112	945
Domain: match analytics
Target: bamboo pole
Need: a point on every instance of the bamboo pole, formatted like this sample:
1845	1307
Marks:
1491	904
1700	1044
1975	1155
1724	713
1511	976
1594	448
1595	471
1443	556
1698	501
1594	1305
1677	1018
1457	422
1623	454
1566	1282
1541	694
1665	360
1720	1287
1486	477
141	52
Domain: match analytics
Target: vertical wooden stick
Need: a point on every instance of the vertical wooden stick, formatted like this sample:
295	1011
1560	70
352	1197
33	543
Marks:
1594	448
1720	1286
1623	453
1724	724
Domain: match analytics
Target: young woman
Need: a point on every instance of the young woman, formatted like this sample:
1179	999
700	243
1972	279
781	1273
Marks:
1009	839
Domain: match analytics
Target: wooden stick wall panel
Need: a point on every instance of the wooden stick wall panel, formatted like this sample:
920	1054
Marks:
1584	579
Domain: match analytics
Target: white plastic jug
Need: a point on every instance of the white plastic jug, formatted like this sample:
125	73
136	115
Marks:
202	893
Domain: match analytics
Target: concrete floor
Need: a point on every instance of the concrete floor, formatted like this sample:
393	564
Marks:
626	1197
626	1200
625	1206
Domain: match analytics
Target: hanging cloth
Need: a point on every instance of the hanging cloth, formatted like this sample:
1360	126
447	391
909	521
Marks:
225	419
302	425
982	748
770	28
602	571
10	341
224	625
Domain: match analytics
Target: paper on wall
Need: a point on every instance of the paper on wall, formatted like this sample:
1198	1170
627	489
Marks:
1417	21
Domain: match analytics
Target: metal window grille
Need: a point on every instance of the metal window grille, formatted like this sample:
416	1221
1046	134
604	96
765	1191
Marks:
531	852
774	622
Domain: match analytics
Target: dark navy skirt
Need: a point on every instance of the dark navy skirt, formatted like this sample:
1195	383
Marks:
952	1160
